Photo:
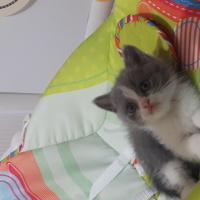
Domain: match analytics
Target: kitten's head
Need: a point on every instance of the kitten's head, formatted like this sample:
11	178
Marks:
143	91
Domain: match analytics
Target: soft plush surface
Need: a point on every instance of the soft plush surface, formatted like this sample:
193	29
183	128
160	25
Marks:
66	106
69	141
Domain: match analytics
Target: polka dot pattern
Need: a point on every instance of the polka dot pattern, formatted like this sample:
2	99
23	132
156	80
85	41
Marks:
87	66
96	59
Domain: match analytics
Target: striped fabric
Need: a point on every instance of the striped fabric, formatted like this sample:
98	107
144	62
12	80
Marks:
187	42
70	142
67	172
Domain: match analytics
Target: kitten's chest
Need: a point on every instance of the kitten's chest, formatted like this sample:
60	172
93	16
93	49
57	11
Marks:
172	130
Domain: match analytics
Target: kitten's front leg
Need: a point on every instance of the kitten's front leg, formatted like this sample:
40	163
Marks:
172	176
190	148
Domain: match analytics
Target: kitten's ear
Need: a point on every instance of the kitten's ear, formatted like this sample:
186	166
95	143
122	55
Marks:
133	56
105	102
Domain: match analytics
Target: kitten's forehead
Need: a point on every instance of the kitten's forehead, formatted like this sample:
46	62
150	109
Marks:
129	93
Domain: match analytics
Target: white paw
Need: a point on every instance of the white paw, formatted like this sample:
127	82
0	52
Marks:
196	118
186	191
192	147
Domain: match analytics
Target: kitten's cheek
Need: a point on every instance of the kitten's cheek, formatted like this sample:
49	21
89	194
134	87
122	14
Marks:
146	115
165	107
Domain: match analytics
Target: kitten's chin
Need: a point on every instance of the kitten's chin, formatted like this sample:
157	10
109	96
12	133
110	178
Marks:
153	116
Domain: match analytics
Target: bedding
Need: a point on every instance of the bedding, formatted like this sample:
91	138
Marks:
69	143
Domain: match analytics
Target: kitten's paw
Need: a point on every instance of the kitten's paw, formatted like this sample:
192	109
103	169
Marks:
196	118
186	190
192	147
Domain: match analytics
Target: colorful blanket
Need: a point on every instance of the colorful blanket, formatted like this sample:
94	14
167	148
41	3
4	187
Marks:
70	142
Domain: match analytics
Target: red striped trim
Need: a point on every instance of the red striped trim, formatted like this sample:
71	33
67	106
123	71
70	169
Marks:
135	162
12	169
134	18
187	42
16	184
10	188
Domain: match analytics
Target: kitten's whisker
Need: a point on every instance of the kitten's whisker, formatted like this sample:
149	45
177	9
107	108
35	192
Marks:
168	84
172	84
165	85
174	77
159	86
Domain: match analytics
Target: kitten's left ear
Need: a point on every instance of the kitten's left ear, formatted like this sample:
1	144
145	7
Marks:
134	57
105	102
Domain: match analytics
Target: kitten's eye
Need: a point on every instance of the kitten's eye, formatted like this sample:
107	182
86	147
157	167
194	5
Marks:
144	86
131	108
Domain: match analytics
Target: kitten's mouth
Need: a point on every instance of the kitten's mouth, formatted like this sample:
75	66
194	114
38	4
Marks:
148	106
152	108
152	113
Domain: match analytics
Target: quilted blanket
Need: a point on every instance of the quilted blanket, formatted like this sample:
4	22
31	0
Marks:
69	142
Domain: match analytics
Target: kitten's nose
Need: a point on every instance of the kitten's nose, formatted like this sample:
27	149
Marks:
146	104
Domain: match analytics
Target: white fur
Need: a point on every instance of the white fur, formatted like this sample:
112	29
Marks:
173	128
129	93
196	118
176	177
174	118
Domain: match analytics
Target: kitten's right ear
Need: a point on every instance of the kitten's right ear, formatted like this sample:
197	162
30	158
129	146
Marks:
133	56
105	102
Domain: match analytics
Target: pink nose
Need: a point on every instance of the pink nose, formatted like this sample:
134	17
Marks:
146	104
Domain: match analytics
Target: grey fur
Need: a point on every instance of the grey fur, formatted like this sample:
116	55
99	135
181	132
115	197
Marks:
153	155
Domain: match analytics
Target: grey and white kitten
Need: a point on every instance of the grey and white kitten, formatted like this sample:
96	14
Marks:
158	106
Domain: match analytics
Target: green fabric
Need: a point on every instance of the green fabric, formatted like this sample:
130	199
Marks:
67	119
69	169
195	194
47	174
195	75
73	169
97	60
146	38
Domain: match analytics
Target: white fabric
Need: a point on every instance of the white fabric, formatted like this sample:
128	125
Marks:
139	169
15	143
17	139
146	194
99	11
71	112
111	172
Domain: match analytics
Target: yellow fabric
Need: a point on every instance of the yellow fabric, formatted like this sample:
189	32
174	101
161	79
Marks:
195	194
94	62
97	60
146	38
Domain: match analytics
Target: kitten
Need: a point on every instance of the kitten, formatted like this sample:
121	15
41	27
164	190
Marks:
157	104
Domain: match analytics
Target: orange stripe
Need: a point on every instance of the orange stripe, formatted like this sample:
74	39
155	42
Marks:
192	44
135	162
27	165
197	44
